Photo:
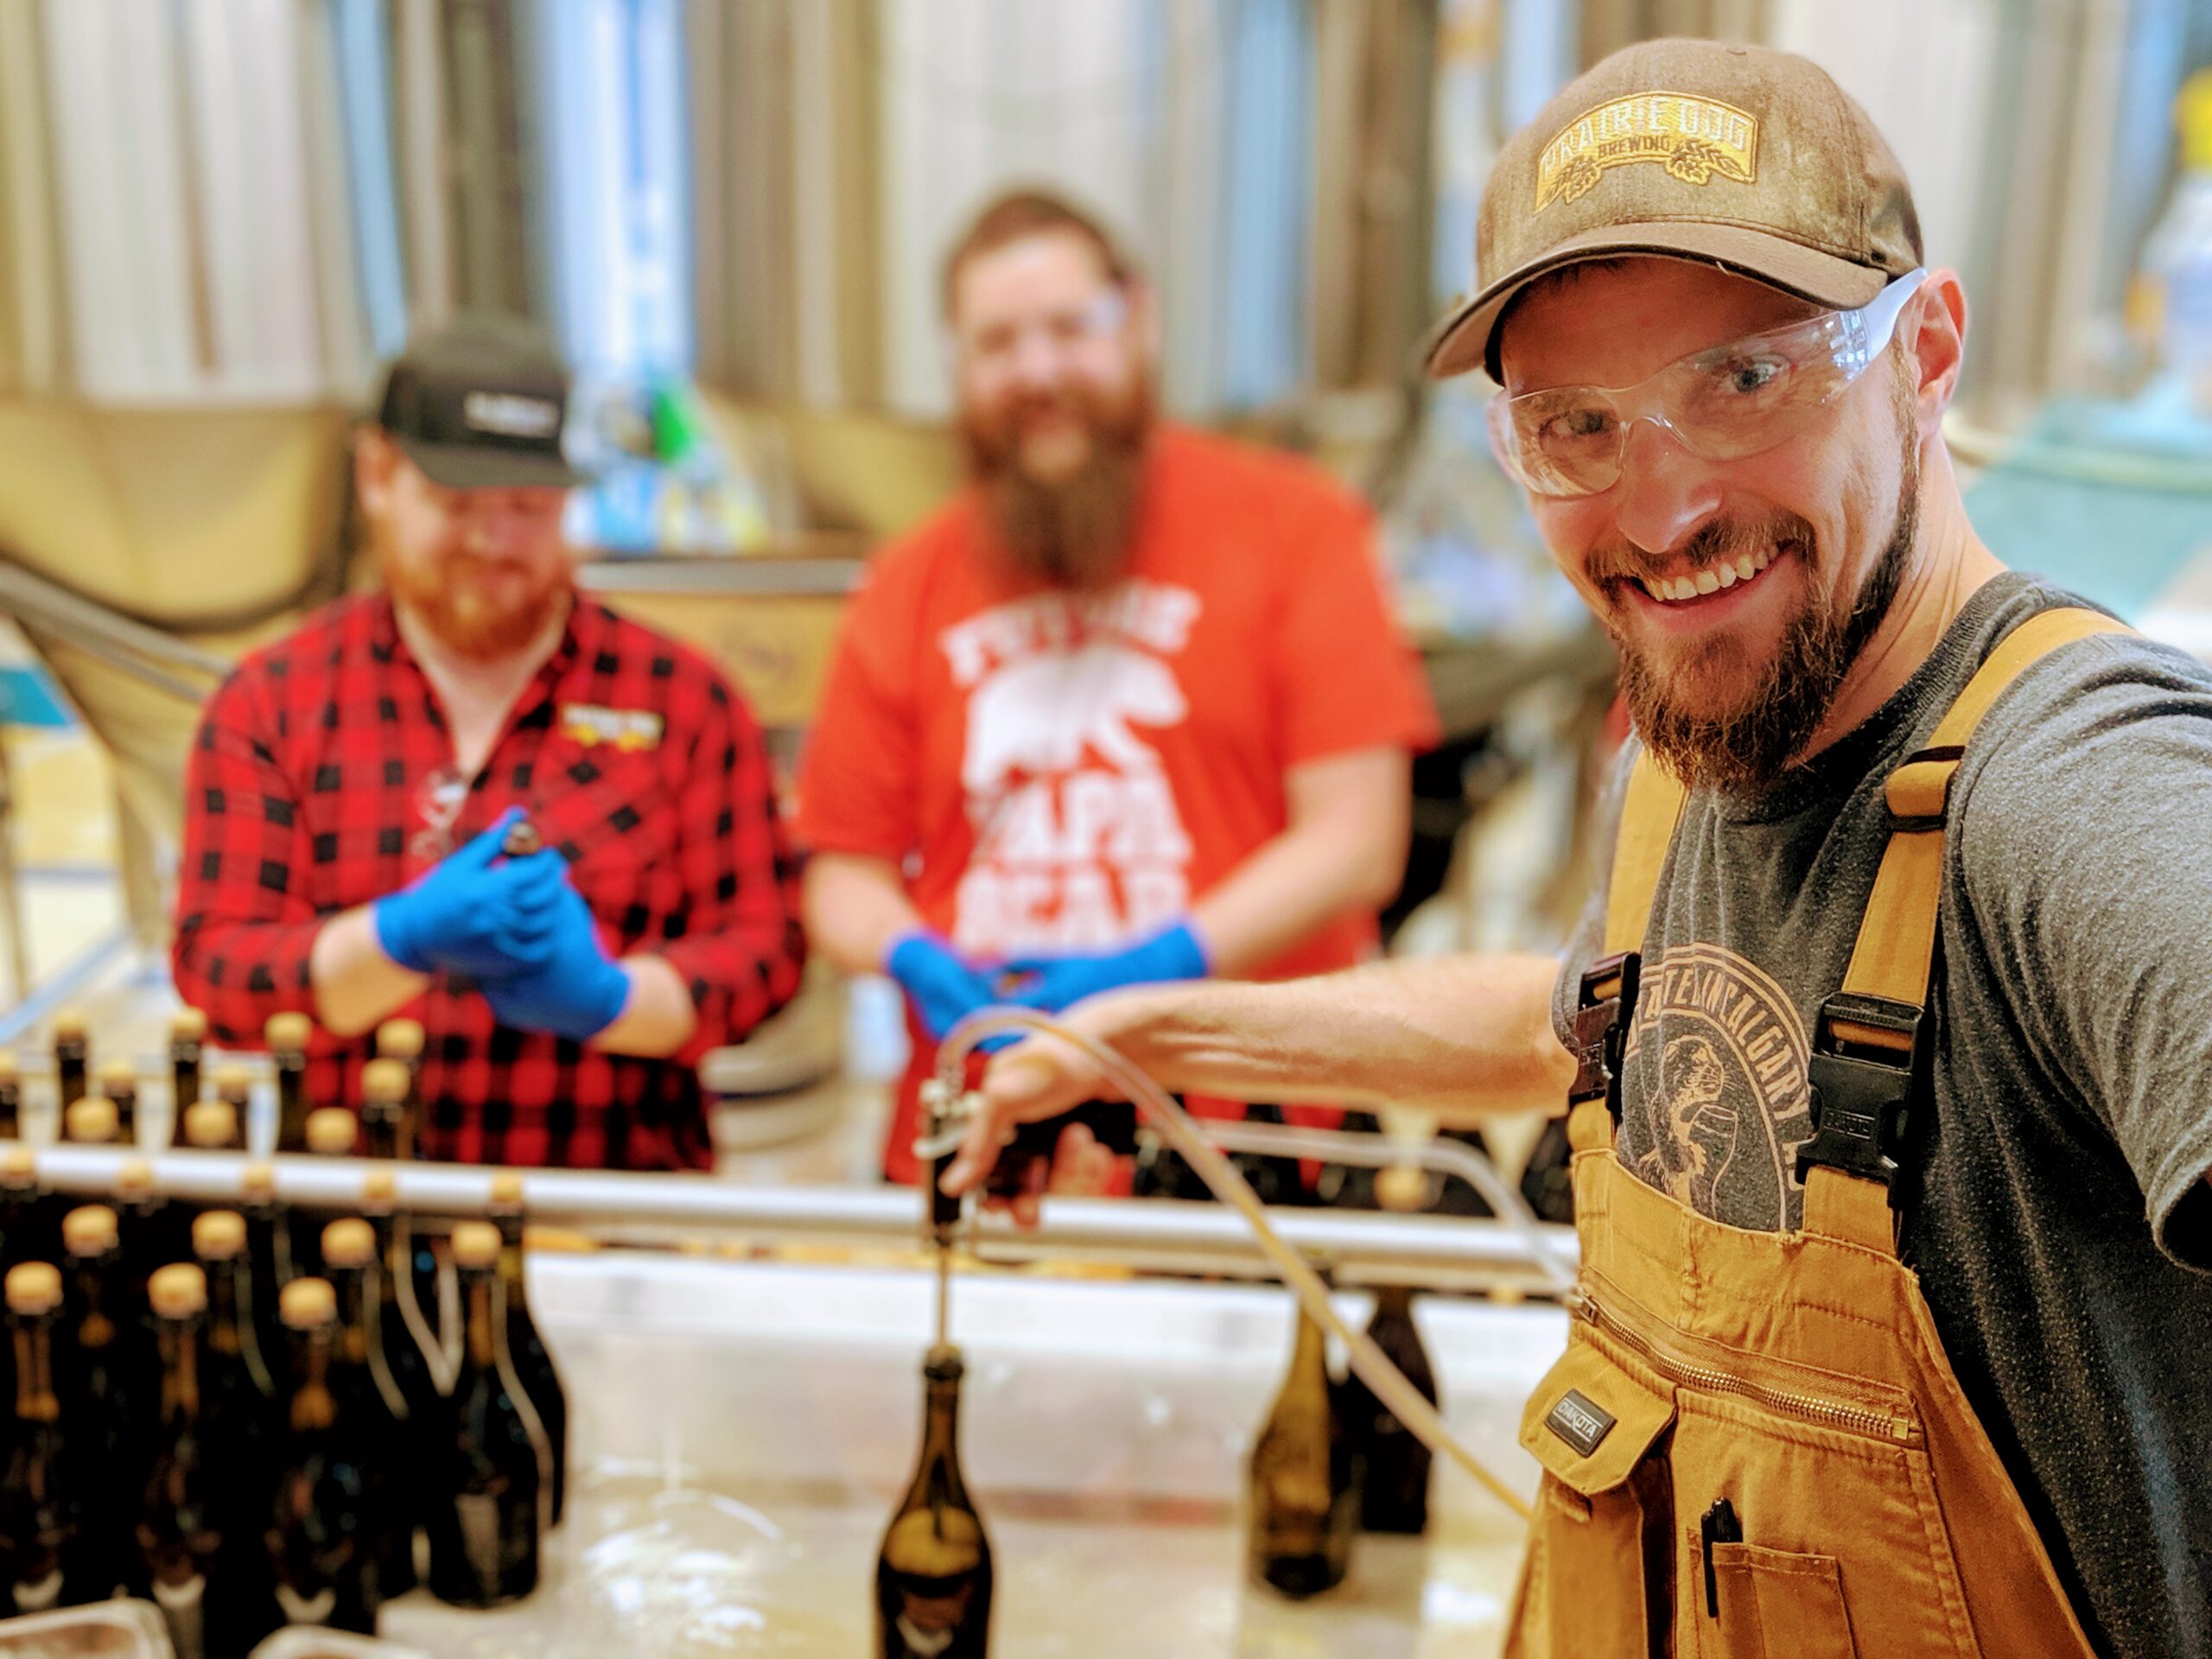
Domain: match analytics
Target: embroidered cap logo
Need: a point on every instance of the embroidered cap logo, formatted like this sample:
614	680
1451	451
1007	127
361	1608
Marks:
1694	139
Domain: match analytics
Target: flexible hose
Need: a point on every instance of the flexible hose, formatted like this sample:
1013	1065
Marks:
1373	1366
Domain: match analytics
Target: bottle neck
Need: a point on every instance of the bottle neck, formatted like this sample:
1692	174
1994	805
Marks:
1311	1356
35	1401
312	1406
1393	1302
388	1266
223	1320
941	1422
180	1340
483	1344
383	1130
512	1278
350	1284
95	1321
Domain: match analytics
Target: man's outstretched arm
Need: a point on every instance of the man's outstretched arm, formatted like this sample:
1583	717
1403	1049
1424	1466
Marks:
1462	1036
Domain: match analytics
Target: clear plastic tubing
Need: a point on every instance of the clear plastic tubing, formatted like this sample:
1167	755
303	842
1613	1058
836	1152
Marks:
1372	1364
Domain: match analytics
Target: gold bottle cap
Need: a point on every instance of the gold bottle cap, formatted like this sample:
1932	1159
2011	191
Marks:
506	1192
475	1244
18	1165
177	1291
522	839
259	1181
9	1069
349	1244
1402	1187
88	1229
211	1125
400	1039
33	1288
380	1190
233	1084
306	1303
135	1180
117	1073
218	1234
386	1081
92	1120
290	1030
331	1132
187	1026
69	1024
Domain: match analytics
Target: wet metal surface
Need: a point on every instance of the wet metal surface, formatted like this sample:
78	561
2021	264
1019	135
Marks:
743	1431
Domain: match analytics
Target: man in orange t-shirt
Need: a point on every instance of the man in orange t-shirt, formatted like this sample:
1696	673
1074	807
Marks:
1132	708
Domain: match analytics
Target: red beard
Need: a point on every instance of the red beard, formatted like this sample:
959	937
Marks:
466	619
1075	531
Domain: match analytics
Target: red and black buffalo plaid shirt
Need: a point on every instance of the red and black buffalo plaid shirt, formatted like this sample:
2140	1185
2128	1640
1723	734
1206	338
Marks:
313	787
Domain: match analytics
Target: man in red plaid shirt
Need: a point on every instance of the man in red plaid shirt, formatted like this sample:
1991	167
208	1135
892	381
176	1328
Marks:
352	785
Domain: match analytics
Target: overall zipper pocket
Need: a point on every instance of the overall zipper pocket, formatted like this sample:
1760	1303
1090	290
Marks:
1833	1413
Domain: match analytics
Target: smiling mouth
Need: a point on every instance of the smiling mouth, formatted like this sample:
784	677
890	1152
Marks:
1714	578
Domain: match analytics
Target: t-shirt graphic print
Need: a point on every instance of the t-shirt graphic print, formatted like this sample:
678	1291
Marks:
1079	844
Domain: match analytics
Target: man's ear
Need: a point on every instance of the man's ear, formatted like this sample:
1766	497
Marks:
1144	319
1935	328
376	463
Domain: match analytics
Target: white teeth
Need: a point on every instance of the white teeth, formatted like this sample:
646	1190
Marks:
1672	590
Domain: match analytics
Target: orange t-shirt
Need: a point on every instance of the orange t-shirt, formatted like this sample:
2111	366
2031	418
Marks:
1060	773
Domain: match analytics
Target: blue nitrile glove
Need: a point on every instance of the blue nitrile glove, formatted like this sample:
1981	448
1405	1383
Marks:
1054	982
946	987
578	991
471	914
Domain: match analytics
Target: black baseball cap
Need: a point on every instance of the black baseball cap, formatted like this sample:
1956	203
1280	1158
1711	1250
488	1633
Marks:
481	403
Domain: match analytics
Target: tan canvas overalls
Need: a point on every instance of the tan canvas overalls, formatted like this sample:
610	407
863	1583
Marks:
1753	1444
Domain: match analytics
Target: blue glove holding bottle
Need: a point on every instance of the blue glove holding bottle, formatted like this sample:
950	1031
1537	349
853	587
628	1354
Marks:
472	913
1053	982
945	986
577	991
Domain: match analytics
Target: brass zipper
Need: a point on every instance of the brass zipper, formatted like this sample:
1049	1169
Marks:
1834	1412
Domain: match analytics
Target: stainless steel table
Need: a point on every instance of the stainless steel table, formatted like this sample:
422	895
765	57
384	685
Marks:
742	1430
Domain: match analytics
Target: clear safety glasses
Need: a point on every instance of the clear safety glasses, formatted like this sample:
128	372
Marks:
1721	403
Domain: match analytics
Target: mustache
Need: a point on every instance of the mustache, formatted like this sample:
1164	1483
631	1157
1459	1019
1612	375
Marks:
1720	541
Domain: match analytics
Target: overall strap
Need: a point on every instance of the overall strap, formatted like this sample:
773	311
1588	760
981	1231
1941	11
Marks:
1649	810
1867	1055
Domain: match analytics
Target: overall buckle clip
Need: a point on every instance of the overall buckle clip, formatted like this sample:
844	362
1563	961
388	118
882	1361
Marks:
1864	1069
1603	1009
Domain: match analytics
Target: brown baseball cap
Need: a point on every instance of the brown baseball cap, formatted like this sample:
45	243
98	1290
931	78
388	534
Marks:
1733	156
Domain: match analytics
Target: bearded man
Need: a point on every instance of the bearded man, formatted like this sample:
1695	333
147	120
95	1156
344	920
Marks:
1132	708
1914	842
354	785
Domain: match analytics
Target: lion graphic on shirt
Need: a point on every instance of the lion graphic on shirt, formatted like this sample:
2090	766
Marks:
1688	1160
1040	717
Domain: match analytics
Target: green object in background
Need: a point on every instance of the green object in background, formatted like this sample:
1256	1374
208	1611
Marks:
2110	501
678	421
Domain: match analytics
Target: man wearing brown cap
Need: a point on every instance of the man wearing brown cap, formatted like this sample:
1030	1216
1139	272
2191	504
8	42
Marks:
1885	1040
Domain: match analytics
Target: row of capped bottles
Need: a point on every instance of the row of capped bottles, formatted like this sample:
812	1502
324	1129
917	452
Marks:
431	1355
1331	1459
155	1448
287	1035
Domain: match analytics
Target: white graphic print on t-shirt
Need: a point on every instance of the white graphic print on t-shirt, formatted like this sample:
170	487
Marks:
1078	841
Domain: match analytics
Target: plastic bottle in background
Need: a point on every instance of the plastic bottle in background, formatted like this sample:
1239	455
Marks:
2177	269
